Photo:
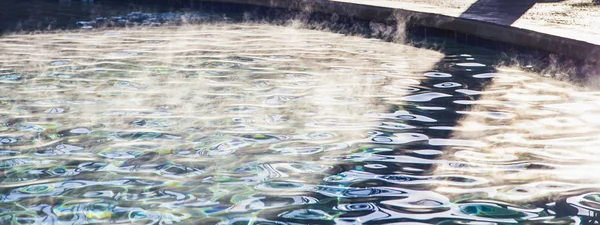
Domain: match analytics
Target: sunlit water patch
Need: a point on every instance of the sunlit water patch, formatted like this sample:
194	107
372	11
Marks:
539	139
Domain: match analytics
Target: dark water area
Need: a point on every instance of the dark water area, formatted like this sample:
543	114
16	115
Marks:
45	15
122	112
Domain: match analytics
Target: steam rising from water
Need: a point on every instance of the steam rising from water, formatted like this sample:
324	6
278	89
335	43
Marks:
183	123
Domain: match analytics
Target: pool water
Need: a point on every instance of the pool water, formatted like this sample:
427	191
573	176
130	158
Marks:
252	123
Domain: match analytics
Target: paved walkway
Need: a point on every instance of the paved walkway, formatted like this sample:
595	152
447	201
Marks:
574	19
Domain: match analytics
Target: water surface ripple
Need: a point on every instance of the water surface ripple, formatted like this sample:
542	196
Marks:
262	124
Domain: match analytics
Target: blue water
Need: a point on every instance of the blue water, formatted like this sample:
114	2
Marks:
139	114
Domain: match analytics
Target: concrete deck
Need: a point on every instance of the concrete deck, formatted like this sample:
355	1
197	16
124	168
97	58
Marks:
529	23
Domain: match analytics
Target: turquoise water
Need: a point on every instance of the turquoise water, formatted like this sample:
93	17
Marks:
250	123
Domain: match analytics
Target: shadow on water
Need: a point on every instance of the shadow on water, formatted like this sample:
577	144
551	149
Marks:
430	103
432	98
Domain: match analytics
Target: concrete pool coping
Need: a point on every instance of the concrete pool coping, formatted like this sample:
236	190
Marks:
560	41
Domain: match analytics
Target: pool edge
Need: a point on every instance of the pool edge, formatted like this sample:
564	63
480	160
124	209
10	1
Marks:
559	45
